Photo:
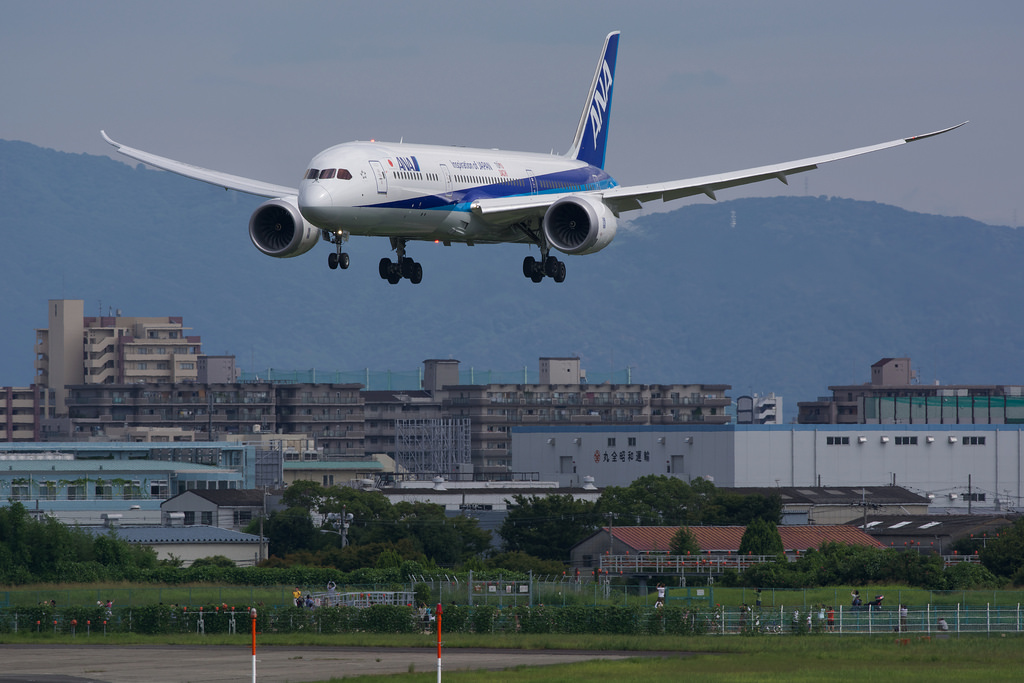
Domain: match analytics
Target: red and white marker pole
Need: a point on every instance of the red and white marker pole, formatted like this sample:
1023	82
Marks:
252	613
439	612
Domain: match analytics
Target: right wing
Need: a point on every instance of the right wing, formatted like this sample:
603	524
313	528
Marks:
225	180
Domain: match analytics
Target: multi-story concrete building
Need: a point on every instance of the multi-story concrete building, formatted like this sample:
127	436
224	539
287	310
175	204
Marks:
23	410
329	414
893	397
493	409
383	409
76	349
81	483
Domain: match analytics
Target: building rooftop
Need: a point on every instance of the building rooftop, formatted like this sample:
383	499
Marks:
721	539
154	535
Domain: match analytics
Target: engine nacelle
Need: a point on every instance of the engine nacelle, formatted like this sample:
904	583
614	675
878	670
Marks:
278	229
579	225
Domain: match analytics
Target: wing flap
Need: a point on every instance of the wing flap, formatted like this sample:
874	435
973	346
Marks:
225	180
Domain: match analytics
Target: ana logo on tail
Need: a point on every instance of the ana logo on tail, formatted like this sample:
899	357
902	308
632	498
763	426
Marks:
602	94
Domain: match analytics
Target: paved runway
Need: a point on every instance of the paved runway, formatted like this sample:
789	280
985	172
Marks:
187	664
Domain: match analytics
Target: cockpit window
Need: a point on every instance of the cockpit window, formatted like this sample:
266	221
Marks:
312	174
327	173
343	174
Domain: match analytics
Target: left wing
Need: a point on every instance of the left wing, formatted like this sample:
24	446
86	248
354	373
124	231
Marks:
632	197
225	180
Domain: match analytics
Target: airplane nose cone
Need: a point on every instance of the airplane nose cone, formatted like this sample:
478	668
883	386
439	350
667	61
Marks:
315	202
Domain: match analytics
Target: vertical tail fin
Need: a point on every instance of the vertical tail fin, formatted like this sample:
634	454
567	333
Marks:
592	132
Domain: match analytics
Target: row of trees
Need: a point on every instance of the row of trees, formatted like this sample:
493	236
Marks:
33	551
537	535
544	528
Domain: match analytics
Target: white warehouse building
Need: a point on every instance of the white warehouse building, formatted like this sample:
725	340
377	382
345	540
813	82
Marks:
958	466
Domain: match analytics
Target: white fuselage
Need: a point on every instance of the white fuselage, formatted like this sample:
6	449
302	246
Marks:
425	192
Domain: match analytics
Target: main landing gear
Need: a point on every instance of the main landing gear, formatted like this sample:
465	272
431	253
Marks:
402	267
547	265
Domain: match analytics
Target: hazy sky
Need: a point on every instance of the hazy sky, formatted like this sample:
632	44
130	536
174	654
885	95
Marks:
258	87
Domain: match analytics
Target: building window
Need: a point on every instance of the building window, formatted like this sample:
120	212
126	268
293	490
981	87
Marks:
190	518
632	441
20	492
76	492
976	497
158	489
104	491
132	490
973	440
611	441
206	518
906	440
837	441
242	517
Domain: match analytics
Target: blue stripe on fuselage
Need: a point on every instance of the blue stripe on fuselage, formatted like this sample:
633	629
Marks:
572	180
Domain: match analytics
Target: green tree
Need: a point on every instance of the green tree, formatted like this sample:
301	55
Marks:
547	526
653	500
518	561
683	542
761	537
1004	555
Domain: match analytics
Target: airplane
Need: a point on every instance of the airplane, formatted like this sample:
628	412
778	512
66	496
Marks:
415	192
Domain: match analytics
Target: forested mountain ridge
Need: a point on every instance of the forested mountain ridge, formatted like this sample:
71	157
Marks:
784	294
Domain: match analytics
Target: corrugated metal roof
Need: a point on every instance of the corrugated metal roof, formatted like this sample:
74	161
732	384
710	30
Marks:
727	538
155	535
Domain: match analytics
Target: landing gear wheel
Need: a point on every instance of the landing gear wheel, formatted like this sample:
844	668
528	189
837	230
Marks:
537	276
417	274
394	278
529	265
384	268
551	266
559	276
332	261
342	261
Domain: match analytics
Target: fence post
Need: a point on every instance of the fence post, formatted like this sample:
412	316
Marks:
958	618
988	618
469	583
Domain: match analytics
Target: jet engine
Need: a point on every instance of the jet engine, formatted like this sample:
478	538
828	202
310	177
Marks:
278	229
579	225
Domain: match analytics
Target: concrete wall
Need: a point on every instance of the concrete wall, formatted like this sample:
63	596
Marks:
940	463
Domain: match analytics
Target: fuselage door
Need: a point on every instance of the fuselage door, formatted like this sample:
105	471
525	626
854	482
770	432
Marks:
382	180
447	181
533	181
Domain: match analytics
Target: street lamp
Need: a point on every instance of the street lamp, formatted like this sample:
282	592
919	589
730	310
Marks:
342	523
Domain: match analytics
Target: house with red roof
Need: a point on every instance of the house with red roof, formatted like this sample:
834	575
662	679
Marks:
715	540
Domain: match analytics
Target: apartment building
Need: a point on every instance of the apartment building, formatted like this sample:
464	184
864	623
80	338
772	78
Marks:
22	411
331	415
75	349
493	409
894	397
